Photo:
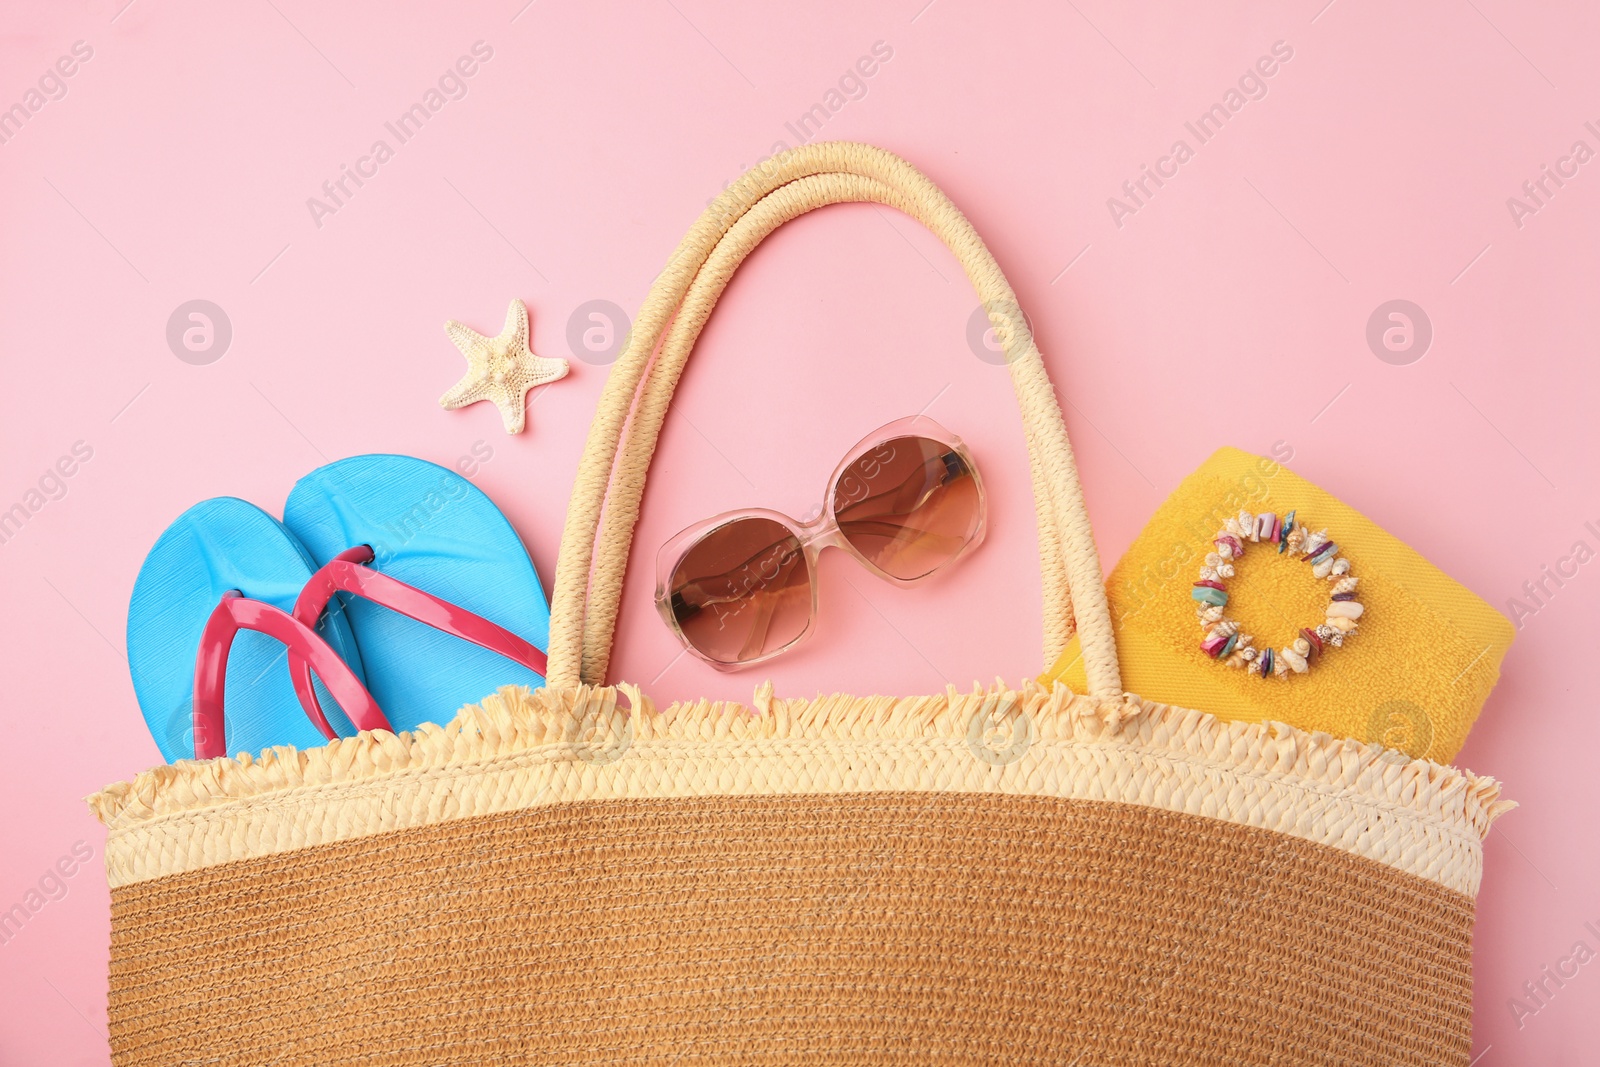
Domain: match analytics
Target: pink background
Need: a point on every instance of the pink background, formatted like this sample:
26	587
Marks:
1230	309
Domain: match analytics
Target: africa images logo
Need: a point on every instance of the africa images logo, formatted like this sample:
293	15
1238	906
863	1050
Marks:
1252	85
1537	193
50	87
51	887
52	485
452	85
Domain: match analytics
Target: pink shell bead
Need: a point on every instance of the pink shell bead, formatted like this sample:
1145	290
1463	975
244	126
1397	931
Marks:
1232	542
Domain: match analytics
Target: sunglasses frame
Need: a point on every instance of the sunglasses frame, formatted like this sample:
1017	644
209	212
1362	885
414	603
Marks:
817	534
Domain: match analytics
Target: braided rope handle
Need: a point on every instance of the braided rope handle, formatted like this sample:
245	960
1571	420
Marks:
610	483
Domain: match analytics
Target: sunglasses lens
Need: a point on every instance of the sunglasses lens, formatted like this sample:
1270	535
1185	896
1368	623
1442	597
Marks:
908	506
742	591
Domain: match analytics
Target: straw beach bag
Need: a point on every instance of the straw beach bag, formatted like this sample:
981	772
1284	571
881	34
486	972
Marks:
574	876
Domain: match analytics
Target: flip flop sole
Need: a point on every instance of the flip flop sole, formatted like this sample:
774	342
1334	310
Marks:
432	529
215	546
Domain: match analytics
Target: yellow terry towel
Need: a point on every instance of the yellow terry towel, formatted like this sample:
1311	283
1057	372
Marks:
1412	677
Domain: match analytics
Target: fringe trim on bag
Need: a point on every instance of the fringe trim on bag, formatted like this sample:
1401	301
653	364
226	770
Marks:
516	719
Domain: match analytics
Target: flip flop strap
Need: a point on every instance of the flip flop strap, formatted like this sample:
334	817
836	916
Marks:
347	573
234	613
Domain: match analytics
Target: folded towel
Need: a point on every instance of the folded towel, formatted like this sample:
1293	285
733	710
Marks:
1414	675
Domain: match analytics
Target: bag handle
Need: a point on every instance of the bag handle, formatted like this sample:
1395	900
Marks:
610	483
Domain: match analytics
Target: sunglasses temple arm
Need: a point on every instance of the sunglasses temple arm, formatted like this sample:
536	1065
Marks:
892	529
699	584
766	606
922	497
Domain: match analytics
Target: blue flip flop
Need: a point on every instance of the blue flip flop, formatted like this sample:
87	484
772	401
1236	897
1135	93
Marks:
215	547
435	531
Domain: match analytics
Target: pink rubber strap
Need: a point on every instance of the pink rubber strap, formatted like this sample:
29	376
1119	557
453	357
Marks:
234	613
346	573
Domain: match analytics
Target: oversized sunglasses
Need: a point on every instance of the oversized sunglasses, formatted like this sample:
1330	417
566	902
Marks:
742	587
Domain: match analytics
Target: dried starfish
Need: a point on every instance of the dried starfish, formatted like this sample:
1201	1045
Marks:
501	369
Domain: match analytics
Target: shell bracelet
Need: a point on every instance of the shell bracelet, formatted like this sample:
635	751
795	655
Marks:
1223	641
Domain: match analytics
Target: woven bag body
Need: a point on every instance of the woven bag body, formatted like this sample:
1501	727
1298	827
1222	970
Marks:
1016	876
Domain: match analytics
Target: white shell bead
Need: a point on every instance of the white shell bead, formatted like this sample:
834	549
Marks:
1344	609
